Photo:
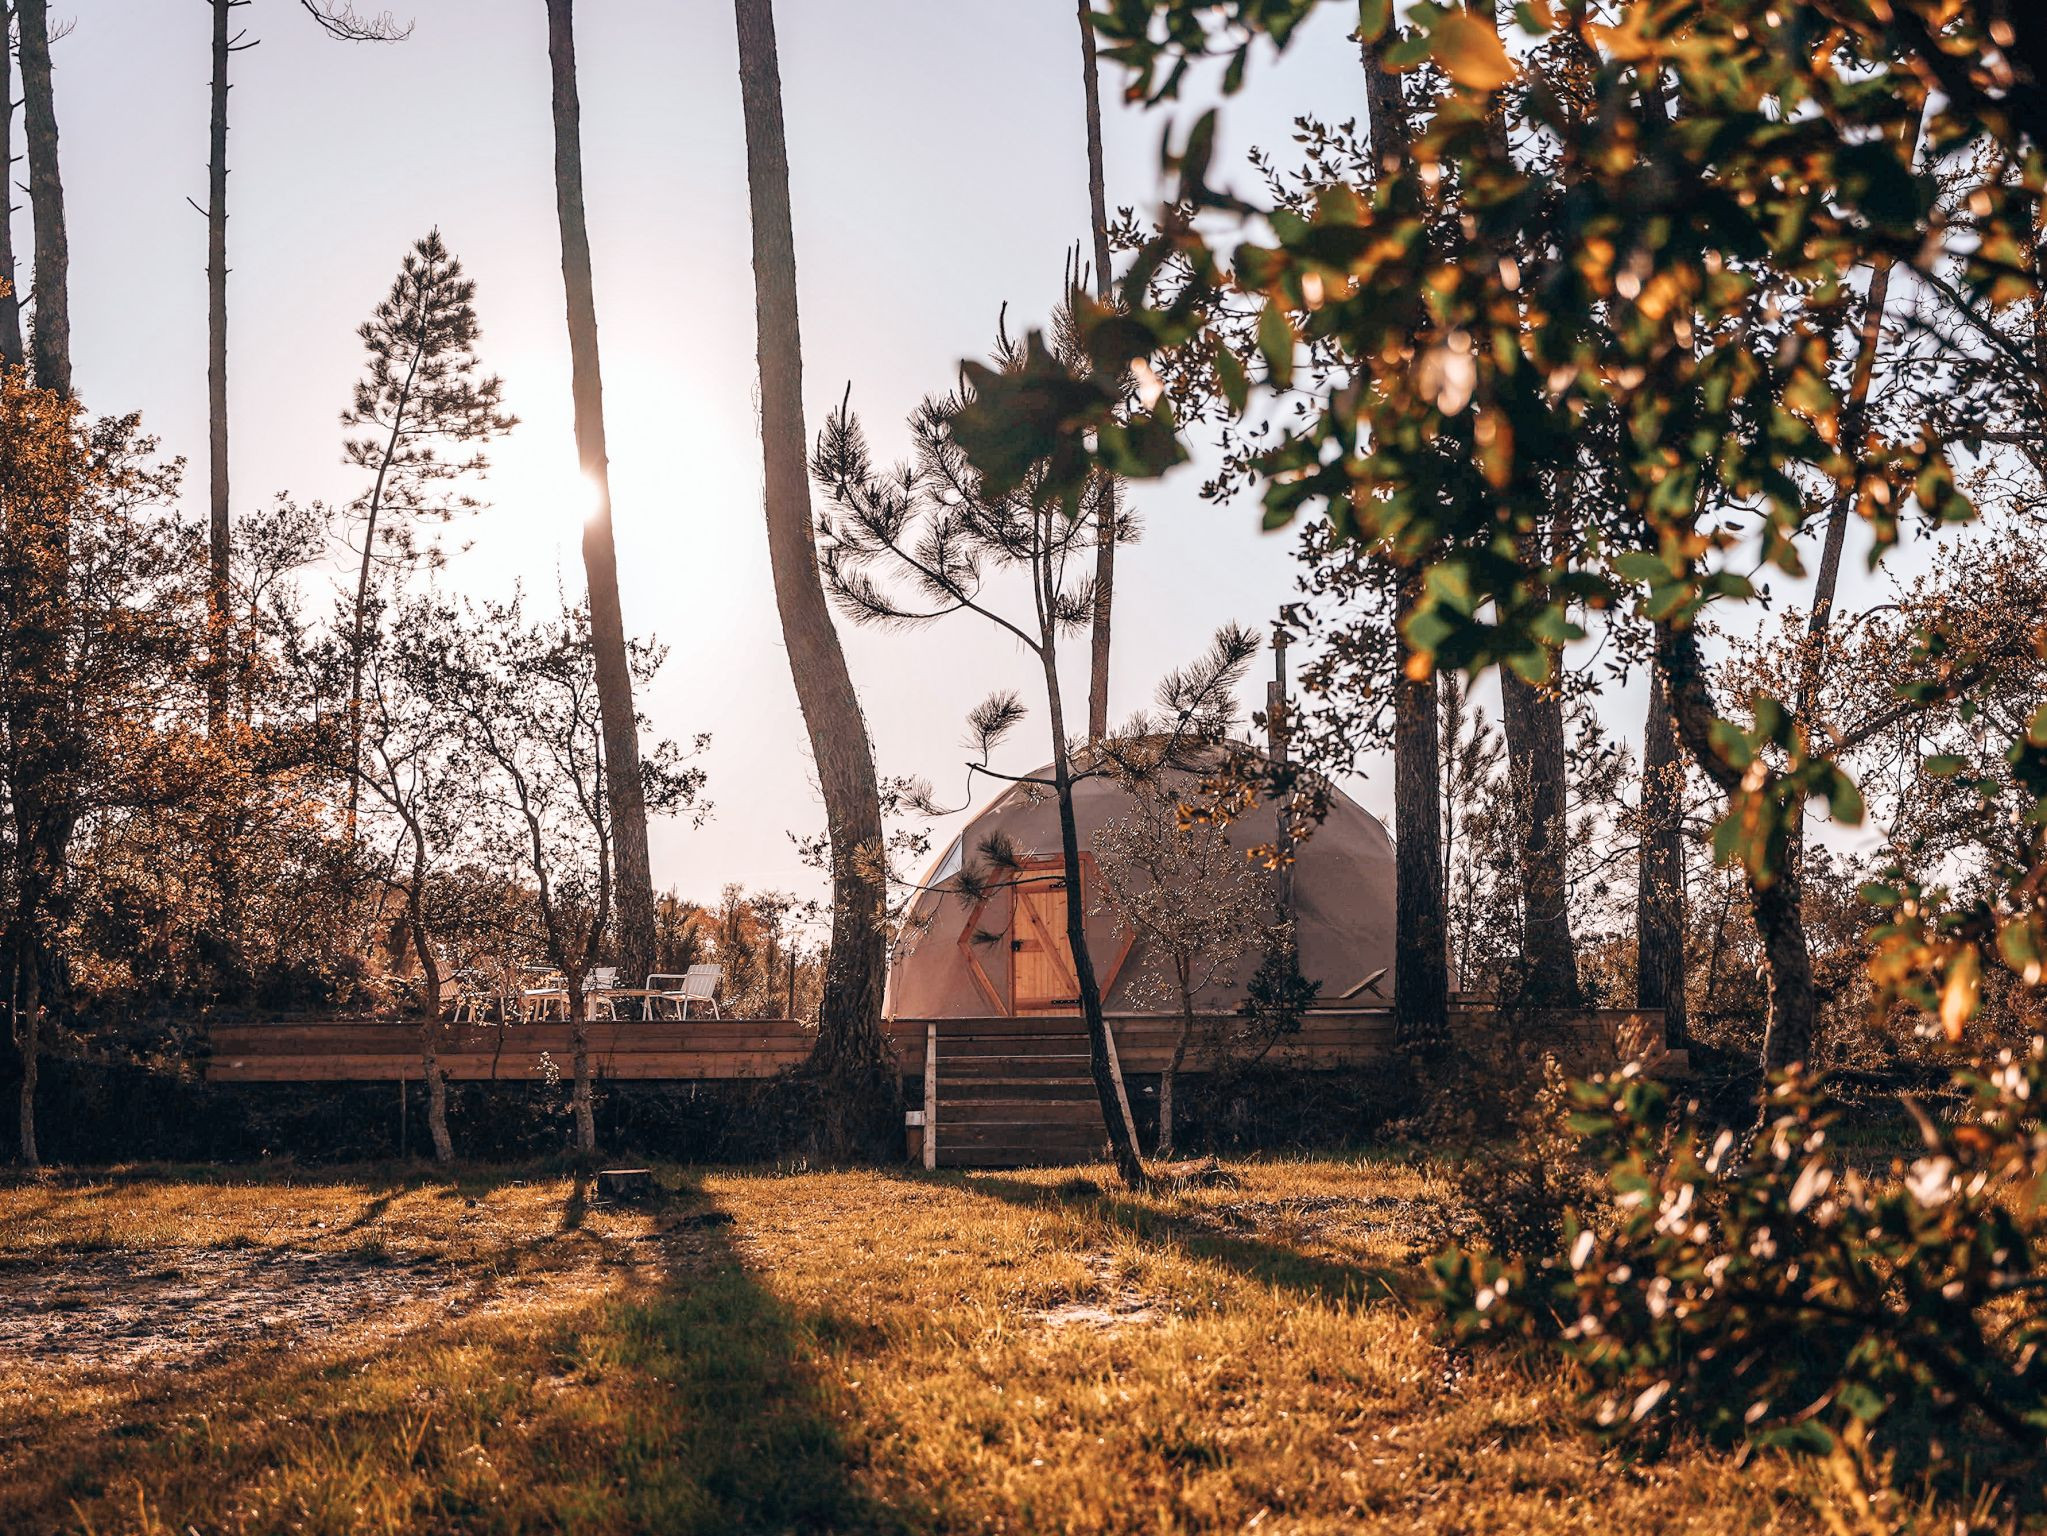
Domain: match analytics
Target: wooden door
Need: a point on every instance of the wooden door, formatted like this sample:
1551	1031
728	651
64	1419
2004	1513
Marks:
1041	960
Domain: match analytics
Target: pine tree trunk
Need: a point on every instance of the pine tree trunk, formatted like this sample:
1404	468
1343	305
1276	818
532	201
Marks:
50	338
625	793
216	379
1106	515
1659	882
11	351
852	1054
1533	721
1421	965
1109	1091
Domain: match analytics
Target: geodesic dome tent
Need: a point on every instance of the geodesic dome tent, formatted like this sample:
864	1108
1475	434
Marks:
1003	951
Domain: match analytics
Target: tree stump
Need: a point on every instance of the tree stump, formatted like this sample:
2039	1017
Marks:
625	1183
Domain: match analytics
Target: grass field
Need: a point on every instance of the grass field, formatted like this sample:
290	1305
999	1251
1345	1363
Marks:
389	1351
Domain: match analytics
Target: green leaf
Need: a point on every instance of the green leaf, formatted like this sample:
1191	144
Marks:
1844	801
1374	16
1944	765
1236	384
1276	344
1642	565
1732	743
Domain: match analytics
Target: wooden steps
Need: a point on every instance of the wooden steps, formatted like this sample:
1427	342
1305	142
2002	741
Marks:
1015	1093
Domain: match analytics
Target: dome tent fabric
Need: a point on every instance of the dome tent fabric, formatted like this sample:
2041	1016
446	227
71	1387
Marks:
1002	951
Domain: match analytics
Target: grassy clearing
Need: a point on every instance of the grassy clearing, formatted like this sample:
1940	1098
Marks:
814	1352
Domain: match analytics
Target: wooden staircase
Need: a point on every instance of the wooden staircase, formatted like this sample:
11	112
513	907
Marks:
1011	1093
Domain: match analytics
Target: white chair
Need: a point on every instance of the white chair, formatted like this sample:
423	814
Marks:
597	989
539	1001
699	984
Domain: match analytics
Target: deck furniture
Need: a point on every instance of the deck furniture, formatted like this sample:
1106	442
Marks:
699	984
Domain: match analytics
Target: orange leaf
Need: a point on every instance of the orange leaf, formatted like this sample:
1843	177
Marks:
1958	996
1471	52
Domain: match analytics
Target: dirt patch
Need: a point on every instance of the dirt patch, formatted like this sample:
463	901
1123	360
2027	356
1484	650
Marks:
117	1311
1119	1304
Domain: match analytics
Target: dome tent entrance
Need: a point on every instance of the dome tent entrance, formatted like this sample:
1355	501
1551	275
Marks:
1002	951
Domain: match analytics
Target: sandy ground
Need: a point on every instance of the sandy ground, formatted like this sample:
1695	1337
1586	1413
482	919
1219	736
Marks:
120	1311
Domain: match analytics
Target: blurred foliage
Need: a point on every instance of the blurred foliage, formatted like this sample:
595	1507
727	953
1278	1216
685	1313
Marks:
1781	1294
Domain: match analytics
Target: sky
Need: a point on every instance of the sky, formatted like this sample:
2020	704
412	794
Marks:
938	172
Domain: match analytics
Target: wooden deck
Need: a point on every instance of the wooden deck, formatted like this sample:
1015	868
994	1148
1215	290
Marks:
371	1050
1006	1090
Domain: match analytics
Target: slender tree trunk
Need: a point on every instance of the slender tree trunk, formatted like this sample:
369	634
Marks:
1107	517
28	1019
1421	970
359	633
852	1052
1170	1078
579	1061
41	792
1109	1091
216	376
1854	424
1774	900
12	354
1533	720
635	879
1659	880
50	337
1421	959
430	1026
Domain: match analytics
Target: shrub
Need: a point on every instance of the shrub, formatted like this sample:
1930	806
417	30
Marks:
1778	1295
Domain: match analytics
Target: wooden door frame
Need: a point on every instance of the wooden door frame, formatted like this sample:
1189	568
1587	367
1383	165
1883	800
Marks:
1030	871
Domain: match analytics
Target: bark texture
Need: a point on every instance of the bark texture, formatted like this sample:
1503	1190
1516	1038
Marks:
50	336
12	354
1102	1066
635	881
1533	721
1106	513
1774	899
1421	962
852	1054
1659	878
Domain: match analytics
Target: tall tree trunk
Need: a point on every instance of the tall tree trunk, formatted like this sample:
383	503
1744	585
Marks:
41	789
1106	513
635	879
216	376
1421	967
1659	878
50	336
852	1053
12	354
1421	956
1774	899
1533	720
1102	1066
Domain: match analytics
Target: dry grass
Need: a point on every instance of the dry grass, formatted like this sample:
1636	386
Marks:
856	1351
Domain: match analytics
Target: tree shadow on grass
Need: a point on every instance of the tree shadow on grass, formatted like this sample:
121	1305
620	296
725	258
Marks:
680	1396
1197	1233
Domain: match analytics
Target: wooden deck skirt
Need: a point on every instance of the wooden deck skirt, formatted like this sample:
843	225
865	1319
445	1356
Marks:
369	1050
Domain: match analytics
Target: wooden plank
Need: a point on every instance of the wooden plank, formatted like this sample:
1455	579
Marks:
969	1090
